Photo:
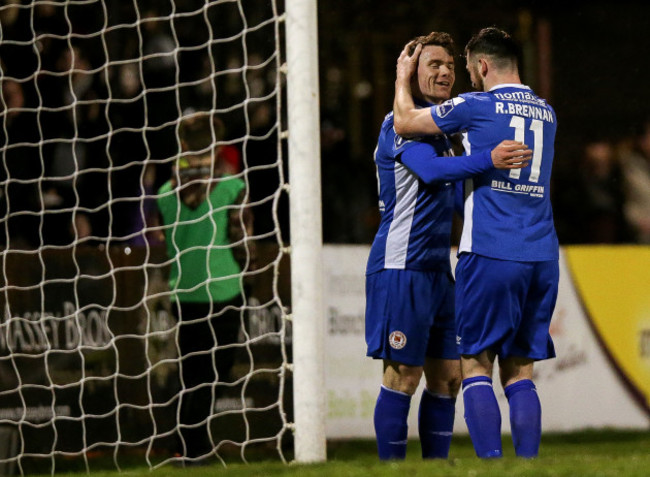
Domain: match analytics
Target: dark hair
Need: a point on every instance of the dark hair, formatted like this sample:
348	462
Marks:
436	38
495	43
199	131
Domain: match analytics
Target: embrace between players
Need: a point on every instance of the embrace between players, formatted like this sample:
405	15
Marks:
419	322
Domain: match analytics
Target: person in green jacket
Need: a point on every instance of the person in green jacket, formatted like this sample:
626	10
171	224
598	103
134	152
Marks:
206	224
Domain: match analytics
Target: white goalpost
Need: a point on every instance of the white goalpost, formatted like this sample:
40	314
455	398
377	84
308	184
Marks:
98	367
306	249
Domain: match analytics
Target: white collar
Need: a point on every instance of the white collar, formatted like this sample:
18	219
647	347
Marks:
510	85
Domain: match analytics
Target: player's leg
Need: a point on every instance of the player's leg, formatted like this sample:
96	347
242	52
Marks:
488	297
392	408
195	341
531	342
525	407
482	414
442	372
438	407
398	318
226	325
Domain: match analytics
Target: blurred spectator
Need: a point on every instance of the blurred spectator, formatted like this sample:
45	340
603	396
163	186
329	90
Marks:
158	50
51	27
352	216
146	218
264	174
75	123
599	195
636	170
128	153
18	56
21	171
159	82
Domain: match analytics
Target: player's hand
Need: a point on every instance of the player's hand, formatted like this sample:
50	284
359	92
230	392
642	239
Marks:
511	154
407	63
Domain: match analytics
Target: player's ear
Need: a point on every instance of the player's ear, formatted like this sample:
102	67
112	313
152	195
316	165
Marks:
483	67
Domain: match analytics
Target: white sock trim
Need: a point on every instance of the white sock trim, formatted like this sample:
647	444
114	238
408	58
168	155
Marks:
479	383
395	391
438	395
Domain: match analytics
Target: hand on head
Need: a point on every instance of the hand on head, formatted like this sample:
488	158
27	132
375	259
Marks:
407	63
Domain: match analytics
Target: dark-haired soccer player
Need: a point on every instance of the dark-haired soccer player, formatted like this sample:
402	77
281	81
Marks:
409	287
507	274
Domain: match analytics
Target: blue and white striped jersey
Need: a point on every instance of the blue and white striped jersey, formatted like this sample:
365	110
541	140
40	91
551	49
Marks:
507	213
416	199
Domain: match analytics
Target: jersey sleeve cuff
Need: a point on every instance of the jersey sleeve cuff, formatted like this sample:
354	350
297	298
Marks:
487	160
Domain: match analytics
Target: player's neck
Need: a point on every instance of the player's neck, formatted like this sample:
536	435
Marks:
424	101
500	78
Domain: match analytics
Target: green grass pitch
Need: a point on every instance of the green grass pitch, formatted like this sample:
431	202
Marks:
588	453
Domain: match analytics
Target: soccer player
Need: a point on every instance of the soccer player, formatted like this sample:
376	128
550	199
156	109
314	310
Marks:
409	286
507	273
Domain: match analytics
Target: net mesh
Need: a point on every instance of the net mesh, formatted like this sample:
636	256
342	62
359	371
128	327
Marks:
93	367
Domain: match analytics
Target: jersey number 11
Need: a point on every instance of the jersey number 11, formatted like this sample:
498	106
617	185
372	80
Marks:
537	127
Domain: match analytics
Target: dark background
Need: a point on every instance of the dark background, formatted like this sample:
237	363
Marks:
588	58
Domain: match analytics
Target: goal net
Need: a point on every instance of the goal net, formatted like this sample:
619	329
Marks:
123	336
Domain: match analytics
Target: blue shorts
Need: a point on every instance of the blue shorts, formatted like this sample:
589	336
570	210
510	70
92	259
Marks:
505	306
410	316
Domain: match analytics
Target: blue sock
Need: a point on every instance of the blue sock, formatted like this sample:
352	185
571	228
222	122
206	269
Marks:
436	424
391	428
482	416
525	417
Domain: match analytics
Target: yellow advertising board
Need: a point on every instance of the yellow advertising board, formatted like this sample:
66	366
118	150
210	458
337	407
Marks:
614	285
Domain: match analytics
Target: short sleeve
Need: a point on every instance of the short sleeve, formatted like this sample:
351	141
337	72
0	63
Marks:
453	115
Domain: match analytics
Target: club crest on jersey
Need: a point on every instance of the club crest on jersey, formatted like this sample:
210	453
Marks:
397	340
445	108
400	141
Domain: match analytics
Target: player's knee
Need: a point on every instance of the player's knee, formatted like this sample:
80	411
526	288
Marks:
448	386
443	376
403	378
453	385
406	384
515	369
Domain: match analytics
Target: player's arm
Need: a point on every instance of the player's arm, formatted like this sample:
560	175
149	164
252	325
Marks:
421	158
459	198
410	121
240	229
